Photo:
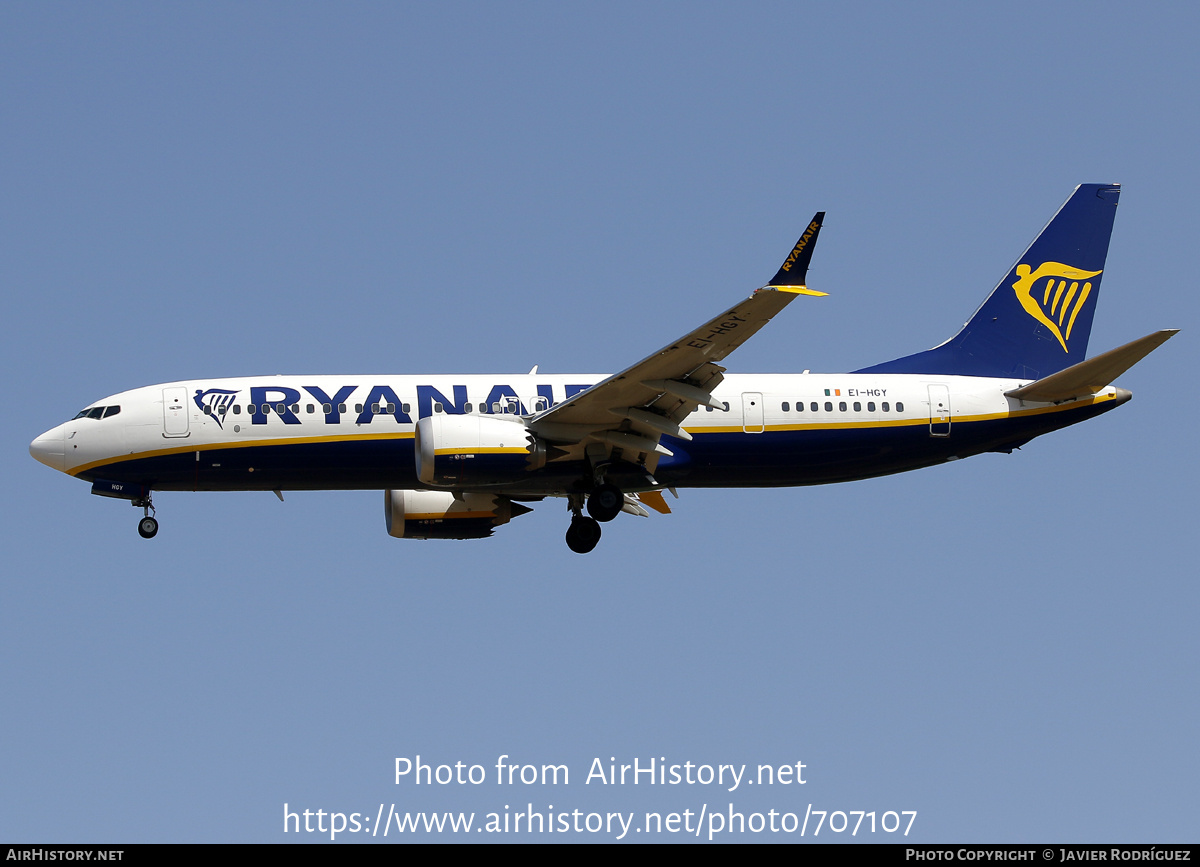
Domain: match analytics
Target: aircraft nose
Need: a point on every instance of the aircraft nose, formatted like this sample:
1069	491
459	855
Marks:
50	449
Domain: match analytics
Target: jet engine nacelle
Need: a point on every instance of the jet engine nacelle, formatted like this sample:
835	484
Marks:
446	515
474	450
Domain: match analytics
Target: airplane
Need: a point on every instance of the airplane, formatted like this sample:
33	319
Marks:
458	456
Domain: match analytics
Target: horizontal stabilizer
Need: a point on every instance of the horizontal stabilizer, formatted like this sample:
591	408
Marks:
1089	377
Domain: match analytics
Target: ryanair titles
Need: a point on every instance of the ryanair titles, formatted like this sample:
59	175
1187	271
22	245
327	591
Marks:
365	403
800	245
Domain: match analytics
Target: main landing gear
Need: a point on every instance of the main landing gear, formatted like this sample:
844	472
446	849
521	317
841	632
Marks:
583	534
148	525
604	504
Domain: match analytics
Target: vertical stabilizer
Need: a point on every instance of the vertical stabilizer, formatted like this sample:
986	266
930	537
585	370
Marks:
1037	320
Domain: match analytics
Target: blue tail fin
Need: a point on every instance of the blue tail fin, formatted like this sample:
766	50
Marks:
1037	321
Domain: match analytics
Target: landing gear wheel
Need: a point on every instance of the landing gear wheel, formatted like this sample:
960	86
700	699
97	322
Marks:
583	534
605	503
147	527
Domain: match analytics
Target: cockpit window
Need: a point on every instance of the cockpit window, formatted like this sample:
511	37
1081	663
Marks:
97	412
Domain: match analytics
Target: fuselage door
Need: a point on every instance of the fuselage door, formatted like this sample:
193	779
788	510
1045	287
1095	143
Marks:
752	412
939	411
175	412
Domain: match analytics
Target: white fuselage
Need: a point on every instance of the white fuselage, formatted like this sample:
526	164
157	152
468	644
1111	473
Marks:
192	434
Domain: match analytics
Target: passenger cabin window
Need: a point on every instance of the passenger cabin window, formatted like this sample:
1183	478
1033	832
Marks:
885	406
785	406
327	408
237	409
813	406
857	406
829	406
871	406
899	406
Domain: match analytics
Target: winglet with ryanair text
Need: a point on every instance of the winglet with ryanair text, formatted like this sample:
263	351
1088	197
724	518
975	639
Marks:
792	275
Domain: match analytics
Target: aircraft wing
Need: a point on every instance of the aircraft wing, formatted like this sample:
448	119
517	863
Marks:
632	409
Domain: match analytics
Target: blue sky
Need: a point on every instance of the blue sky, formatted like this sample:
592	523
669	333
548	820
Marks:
1006	645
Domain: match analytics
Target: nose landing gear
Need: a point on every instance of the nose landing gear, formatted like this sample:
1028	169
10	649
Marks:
148	525
603	504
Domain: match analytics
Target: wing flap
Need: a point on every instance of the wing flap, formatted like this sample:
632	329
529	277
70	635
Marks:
654	500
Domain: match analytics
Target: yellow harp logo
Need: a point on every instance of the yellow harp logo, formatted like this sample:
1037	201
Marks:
1061	290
